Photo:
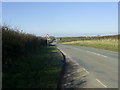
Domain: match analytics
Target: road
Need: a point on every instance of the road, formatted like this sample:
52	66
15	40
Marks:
102	64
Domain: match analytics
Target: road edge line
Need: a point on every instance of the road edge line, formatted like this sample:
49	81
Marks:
62	71
101	83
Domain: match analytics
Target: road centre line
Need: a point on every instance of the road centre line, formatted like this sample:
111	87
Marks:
96	54
98	49
92	52
101	83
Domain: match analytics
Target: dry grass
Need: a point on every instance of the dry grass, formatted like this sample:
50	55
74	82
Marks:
108	44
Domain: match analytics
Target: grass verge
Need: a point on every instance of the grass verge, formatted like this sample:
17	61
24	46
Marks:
41	69
108	44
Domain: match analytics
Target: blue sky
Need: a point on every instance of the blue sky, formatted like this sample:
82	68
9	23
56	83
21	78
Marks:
62	18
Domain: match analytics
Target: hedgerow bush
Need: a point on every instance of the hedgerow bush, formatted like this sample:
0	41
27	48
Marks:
16	44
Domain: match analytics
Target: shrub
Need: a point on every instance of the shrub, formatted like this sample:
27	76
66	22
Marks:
16	44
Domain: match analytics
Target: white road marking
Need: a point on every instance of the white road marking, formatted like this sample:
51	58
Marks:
75	64
101	83
63	52
67	56
97	54
85	70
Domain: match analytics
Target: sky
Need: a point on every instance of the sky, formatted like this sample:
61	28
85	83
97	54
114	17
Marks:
62	19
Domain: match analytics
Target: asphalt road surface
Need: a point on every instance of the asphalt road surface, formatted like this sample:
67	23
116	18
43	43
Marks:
102	64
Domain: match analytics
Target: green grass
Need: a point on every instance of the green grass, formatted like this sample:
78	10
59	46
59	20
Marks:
41	69
108	44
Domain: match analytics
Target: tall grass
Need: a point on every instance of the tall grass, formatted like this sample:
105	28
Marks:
108	44
16	44
102	42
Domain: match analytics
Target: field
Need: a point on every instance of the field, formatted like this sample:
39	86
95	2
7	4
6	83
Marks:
106	42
